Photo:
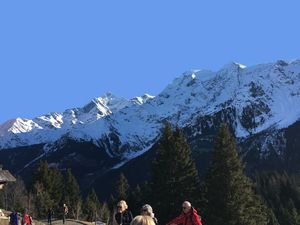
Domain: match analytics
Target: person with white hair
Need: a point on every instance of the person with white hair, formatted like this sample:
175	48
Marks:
189	216
147	210
123	215
142	220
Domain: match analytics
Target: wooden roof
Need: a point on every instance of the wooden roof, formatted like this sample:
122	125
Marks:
5	176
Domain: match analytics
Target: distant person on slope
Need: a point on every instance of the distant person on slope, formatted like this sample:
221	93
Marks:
189	216
123	216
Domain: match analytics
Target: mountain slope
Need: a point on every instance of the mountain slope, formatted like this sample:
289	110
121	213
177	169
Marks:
260	103
260	97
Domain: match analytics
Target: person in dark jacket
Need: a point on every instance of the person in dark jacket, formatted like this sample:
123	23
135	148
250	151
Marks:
147	210
123	215
50	215
189	216
13	218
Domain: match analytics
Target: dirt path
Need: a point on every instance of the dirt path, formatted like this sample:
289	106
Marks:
69	222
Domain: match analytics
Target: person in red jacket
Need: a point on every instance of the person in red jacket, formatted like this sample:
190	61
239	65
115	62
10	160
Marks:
26	220
189	216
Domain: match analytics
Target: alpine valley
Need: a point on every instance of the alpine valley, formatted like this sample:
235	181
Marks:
110	134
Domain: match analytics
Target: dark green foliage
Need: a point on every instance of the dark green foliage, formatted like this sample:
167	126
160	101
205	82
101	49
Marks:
42	200
104	213
272	218
174	175
47	187
122	188
135	200
92	206
51	189
111	202
72	195
230	199
282	194
112	208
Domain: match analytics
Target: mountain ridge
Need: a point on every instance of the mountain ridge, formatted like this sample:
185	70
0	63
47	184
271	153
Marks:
259	97
259	103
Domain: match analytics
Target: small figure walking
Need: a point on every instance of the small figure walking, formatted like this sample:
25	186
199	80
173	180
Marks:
13	218
26	219
50	215
65	212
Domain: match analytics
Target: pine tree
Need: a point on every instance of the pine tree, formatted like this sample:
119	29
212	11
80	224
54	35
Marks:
272	218
56	188
135	200
41	184
41	175
282	194
122	188
230	197
290	215
174	175
47	187
72	194
112	209
42	200
104	213
92	206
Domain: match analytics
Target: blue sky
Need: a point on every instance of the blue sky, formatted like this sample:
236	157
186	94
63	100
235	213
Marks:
59	54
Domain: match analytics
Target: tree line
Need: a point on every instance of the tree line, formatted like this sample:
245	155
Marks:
226	196
51	188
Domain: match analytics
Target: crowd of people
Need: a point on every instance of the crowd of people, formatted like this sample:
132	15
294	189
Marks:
25	219
123	216
188	216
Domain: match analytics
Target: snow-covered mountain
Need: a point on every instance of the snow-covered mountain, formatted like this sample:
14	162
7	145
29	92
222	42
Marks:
252	99
52	126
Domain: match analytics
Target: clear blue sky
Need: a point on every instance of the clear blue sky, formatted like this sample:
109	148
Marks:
59	54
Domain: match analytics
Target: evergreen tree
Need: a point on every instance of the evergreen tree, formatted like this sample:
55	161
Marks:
42	200
104	213
135	200
56	187
272	218
112	209
174	175
111	202
41	174
230	198
290	215
47	187
92	206
41	184
282	194
122	188
72	194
